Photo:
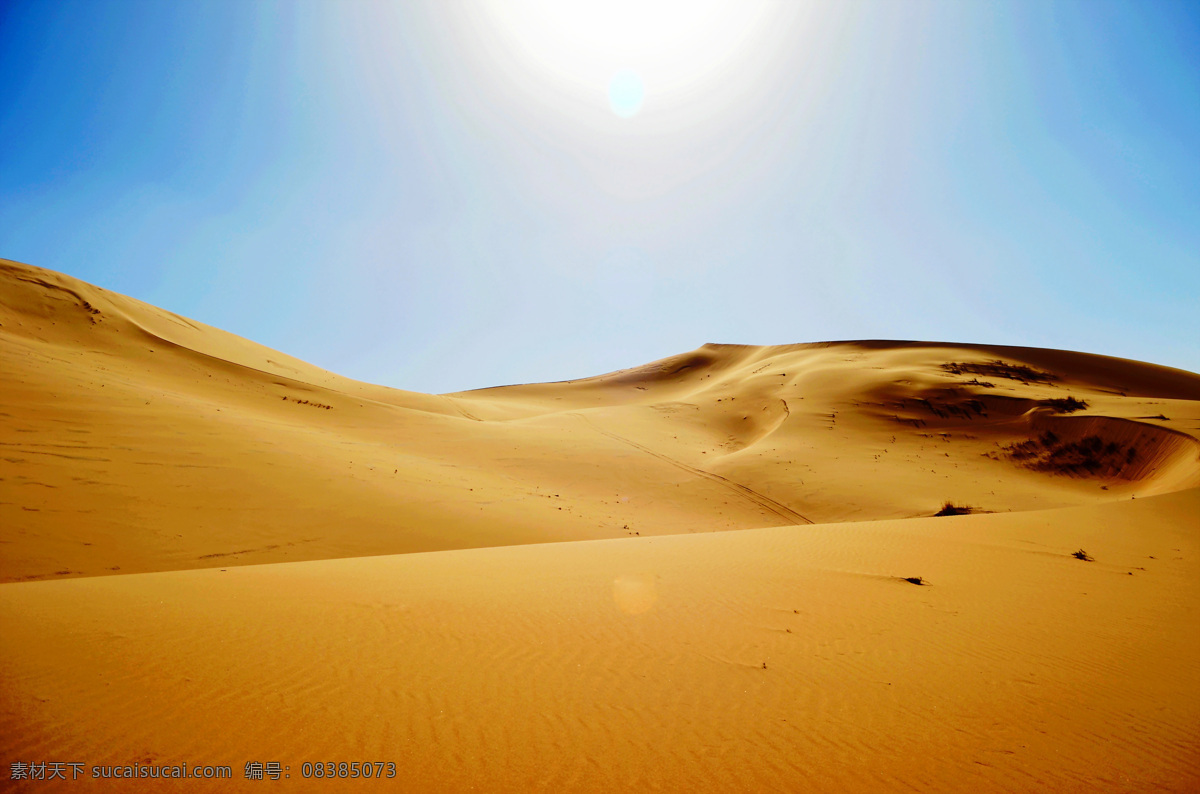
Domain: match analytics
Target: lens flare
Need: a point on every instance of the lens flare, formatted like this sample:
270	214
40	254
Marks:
635	594
625	93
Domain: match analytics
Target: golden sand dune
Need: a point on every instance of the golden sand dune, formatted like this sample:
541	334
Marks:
137	440
268	512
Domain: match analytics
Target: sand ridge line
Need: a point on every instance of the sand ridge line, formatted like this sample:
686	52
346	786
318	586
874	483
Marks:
745	492
461	410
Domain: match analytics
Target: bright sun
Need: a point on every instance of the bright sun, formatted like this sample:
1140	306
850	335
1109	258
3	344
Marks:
634	53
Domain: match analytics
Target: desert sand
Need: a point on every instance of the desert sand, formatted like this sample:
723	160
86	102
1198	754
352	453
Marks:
722	571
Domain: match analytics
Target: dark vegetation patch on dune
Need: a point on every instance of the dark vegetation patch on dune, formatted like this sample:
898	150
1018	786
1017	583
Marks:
1089	456
947	405
962	409
1065	405
1000	369
951	509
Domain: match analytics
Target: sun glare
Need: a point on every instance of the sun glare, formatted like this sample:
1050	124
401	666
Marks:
636	53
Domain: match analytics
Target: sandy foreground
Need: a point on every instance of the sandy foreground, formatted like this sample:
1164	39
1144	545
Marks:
689	575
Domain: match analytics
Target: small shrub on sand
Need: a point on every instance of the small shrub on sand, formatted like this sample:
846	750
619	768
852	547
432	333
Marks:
951	509
1082	555
1065	405
915	580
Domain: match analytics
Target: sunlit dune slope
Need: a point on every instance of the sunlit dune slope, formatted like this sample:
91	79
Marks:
779	659
136	440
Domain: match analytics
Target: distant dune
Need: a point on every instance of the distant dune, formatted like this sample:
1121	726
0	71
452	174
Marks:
209	555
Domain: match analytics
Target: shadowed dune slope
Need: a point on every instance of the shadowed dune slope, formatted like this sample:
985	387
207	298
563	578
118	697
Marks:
135	440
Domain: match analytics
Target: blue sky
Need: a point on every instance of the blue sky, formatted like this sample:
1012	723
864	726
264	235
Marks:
439	196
